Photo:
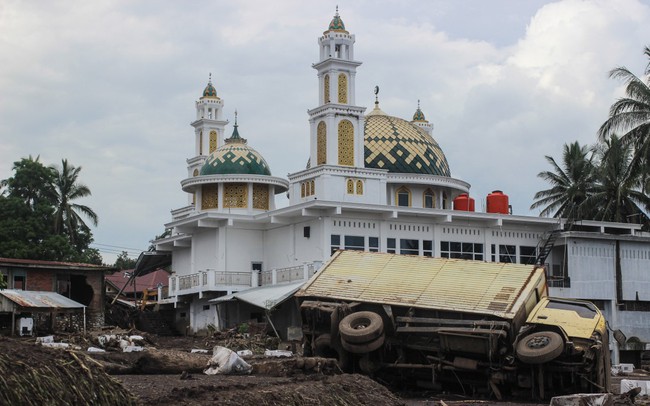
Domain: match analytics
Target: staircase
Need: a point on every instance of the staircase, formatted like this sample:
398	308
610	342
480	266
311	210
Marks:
547	241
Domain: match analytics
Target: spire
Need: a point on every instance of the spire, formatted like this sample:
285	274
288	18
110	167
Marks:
209	90
235	137
337	24
376	111
419	116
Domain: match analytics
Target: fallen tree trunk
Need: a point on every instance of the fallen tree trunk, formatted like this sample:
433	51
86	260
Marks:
151	361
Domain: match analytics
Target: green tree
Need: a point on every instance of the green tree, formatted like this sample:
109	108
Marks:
617	194
66	216
571	184
630	115
124	262
28	204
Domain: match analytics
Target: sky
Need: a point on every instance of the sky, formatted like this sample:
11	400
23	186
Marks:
110	85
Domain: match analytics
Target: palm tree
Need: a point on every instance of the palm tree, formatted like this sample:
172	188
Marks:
571	184
617	195
66	217
630	115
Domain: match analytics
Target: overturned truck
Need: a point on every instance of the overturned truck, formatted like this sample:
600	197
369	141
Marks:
453	325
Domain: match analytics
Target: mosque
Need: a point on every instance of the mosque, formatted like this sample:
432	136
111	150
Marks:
373	182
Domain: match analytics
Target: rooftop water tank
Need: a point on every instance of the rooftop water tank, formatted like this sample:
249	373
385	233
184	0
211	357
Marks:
497	202
464	202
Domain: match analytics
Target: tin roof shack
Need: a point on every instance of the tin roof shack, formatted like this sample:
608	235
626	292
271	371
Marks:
454	325
82	283
32	307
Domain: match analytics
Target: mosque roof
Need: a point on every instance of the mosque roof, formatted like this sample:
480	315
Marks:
209	90
235	157
400	146
336	24
419	115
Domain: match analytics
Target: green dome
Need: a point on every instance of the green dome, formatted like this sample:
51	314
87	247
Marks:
401	147
209	90
235	157
336	24
419	115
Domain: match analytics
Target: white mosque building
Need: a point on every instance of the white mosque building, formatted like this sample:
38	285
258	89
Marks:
374	182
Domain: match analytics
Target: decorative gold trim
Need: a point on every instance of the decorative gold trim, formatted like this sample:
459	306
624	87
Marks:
326	88
350	186
302	189
235	195
195	173
313	187
359	187
343	88
209	197
213	141
346	143
260	196
321	143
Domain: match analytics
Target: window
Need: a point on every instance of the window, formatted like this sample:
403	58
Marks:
390	244
427	248
462	250
373	244
359	187
335	242
403	197
354	243
350	186
508	254
321	143
527	255
302	189
63	285
429	199
445	200
409	247
206	307
19	281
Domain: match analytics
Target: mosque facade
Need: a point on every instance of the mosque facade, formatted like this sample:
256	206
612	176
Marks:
373	182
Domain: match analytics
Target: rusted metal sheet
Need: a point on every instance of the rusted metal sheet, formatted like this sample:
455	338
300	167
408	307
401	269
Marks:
435	283
37	299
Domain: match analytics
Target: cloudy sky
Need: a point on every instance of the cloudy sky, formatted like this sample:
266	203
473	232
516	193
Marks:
111	85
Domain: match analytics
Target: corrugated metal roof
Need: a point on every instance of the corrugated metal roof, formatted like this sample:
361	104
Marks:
435	283
266	297
39	299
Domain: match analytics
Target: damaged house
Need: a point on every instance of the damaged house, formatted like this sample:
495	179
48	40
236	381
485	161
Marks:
54	295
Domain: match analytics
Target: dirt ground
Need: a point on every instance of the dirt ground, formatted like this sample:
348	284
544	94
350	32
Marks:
167	373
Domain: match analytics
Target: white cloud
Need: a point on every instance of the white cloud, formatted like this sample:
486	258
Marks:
110	85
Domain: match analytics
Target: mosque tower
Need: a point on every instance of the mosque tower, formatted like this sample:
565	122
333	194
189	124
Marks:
421	121
208	129
336	125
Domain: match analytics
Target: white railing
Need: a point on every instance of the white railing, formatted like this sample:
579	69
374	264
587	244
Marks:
289	274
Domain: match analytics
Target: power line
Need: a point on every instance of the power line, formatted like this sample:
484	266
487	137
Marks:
117	246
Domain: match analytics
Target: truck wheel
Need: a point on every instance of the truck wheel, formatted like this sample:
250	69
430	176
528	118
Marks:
323	346
361	327
365	347
540	347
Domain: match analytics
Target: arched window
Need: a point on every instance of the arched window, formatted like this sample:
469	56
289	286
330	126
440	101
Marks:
343	89
326	88
307	189
346	143
195	173
359	187
429	199
350	186
321	143
200	142
213	141
302	189
445	200
313	188
403	197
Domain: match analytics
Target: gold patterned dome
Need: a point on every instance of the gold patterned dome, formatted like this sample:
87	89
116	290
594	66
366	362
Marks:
209	90
419	115
401	147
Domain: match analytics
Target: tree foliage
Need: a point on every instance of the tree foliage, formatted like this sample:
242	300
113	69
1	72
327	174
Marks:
30	202
124	262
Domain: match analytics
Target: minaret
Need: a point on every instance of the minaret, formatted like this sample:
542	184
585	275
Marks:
421	121
336	125
208	129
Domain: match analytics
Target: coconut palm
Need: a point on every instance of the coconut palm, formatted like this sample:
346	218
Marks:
617	195
66	217
571	184
630	115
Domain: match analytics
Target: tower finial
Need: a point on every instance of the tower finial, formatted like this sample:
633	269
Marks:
235	117
376	95
210	77
337	10
418	104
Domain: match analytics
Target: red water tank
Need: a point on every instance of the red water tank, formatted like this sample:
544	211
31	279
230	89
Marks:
497	202
464	202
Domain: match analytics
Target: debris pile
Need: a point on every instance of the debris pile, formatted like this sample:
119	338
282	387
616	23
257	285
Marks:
36	375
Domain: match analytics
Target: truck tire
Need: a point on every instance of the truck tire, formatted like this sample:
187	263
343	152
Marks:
540	347
365	347
361	327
